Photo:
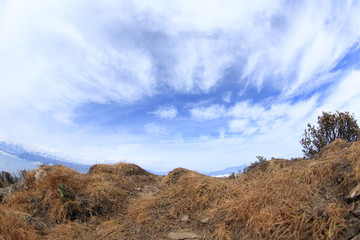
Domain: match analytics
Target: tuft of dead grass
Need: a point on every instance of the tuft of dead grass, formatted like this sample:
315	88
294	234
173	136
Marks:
301	200
14	225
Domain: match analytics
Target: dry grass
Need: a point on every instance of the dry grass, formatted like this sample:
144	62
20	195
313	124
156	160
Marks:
279	199
287	203
14	226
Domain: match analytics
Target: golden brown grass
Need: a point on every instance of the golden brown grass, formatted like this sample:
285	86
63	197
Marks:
279	199
13	225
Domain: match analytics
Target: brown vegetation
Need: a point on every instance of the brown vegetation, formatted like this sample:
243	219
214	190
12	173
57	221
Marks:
278	199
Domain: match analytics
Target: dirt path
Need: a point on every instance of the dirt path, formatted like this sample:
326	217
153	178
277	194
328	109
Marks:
151	189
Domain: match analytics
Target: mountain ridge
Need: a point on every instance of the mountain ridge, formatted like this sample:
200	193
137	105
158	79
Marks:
40	158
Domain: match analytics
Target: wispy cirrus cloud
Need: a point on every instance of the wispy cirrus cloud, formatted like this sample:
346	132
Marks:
166	111
208	113
155	129
286	45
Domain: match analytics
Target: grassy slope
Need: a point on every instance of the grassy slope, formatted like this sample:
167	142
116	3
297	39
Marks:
279	199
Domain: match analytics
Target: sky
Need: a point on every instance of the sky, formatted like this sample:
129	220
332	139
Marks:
200	84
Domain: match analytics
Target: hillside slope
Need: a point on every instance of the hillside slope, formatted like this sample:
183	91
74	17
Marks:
279	199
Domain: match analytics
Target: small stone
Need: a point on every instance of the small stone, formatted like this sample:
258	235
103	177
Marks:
356	237
357	210
29	219
7	191
204	220
39	174
184	218
183	235
354	193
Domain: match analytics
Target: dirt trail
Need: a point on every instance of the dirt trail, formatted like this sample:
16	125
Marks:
151	189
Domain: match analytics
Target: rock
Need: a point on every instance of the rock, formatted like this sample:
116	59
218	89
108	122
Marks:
7	191
151	189
355	192
3	193
182	235
184	218
357	210
204	220
356	237
148	191
39	174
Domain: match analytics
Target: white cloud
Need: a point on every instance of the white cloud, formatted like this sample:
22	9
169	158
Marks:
51	58
207	16
345	96
297	44
211	112
242	126
227	97
201	63
249	118
166	111
72	57
246	110
155	129
286	44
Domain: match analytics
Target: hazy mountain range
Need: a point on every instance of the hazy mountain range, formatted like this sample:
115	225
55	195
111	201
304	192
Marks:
14	157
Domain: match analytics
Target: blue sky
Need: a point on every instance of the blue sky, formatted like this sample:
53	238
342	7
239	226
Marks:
197	84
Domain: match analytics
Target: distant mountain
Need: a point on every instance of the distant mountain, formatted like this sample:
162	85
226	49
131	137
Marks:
13	156
12	163
226	171
157	173
219	173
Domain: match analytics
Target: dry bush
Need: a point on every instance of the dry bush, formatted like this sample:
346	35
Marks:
114	185
104	196
196	193
71	230
347	151
141	210
104	191
146	219
19	201
174	176
48	200
123	170
191	193
304	200
101	230
110	230
221	233
183	193
15	226
6	179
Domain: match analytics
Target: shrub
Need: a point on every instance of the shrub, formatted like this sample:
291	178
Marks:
260	159
7	178
330	127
